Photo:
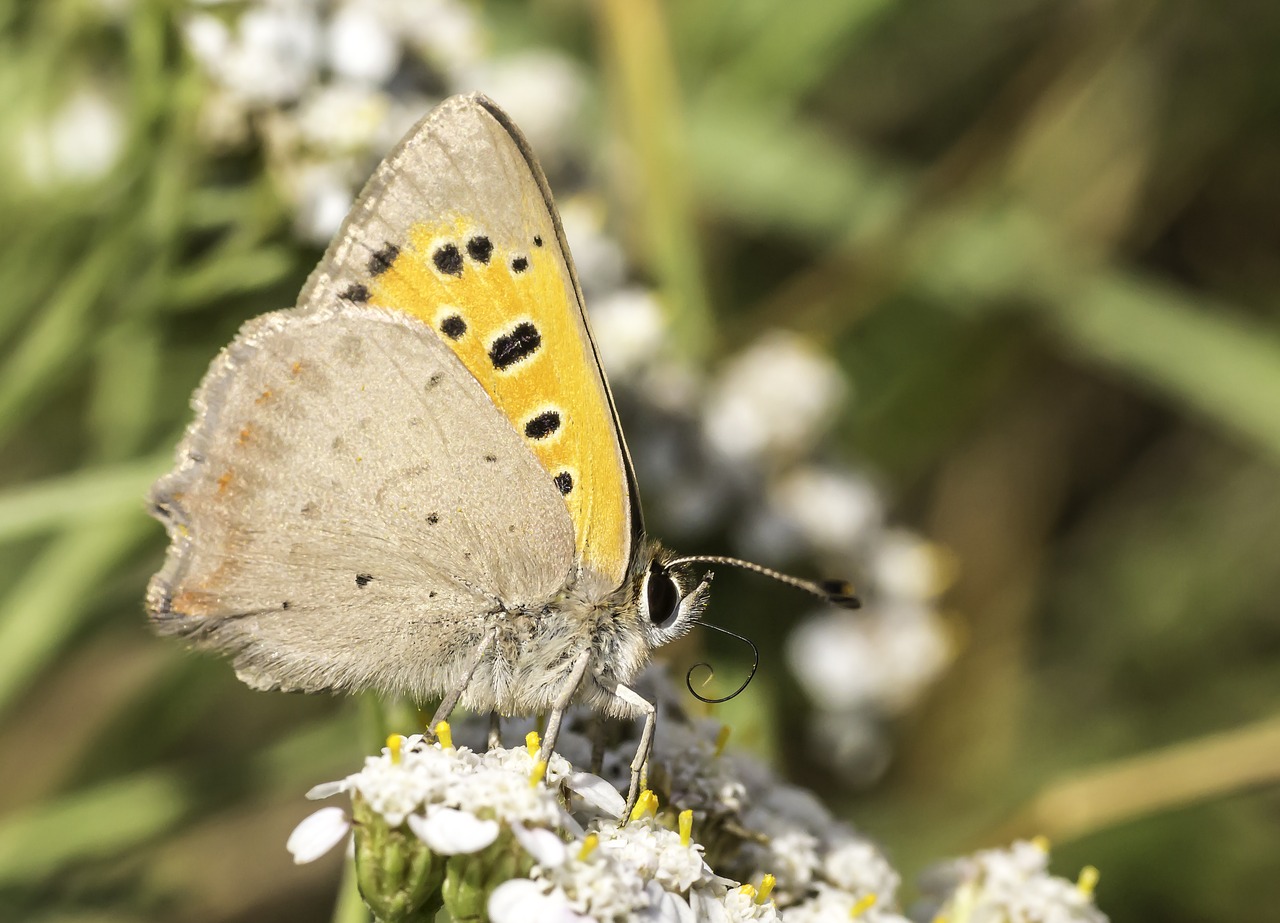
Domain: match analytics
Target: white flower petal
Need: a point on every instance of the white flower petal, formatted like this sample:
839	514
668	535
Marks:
327	790
522	901
667	906
707	908
546	848
448	831
318	834
512	901
598	793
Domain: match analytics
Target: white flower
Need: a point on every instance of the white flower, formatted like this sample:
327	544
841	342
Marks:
629	330
271	55
827	903
740	906
317	834
658	854
448	831
336	119
521	900
856	866
597	257
546	848
833	510
322	196
773	400
445	32
361	44
881	656
697	777
81	141
587	885
1009	884
909	567
542	90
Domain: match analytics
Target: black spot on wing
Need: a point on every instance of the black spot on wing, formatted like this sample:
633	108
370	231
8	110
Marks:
356	293
537	240
433	518
523	341
363	580
453	326
383	259
480	249
543	425
564	481
519	264
448	259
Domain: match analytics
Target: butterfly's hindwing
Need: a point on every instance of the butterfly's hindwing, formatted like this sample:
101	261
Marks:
350	506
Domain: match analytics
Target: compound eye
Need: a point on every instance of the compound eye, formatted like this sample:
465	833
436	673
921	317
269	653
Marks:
663	597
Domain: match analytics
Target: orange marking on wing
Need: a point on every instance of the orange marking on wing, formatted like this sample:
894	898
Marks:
194	603
224	482
243	438
263	397
297	368
492	300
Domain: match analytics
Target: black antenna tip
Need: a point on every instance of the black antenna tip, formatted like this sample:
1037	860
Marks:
840	592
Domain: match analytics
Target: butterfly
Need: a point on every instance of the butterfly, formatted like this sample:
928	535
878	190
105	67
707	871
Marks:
414	481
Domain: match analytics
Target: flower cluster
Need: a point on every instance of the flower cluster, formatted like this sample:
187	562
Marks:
500	835
1009	884
328	86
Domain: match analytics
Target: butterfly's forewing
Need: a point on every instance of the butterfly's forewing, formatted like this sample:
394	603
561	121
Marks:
348	505
457	229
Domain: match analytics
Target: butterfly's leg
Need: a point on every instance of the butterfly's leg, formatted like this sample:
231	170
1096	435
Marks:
495	730
640	764
450	701
562	702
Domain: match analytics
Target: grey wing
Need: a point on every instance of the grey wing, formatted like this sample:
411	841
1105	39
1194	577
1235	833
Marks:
349	508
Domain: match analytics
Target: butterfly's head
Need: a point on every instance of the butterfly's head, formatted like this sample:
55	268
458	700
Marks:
670	594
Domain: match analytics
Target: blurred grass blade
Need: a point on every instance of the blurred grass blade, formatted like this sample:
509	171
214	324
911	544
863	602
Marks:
767	170
55	337
793	48
1217	362
95	823
1204	355
50	600
646	100
84	496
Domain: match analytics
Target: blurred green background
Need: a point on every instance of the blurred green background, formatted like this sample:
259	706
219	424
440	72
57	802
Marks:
1039	236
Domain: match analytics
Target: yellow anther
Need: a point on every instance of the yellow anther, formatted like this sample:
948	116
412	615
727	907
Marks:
863	904
1087	881
686	826
444	735
394	743
748	890
589	845
766	888
722	739
643	805
539	772
532	743
1041	843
